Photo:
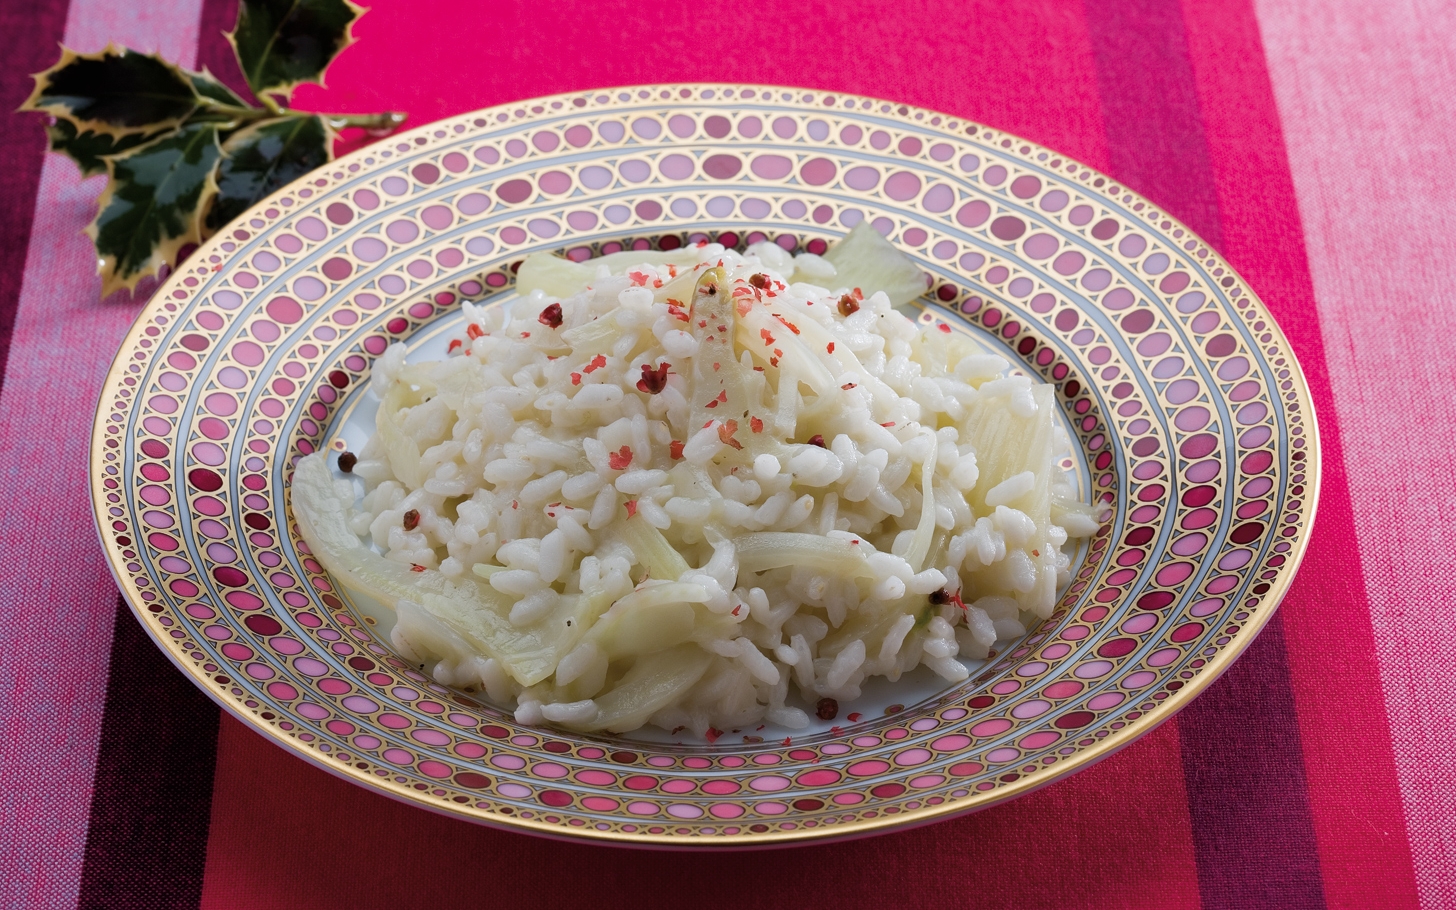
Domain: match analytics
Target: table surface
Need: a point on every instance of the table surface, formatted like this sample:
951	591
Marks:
1308	140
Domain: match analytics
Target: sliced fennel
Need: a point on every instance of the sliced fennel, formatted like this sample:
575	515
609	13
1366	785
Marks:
400	449
652	550
718	392
865	260
595	337
558	277
758	325
643	627
1008	445
474	612
778	549
925	528
654	682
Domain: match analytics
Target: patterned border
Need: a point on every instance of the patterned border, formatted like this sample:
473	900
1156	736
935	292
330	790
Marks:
1190	410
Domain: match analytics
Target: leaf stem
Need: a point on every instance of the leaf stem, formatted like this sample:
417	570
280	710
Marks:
373	123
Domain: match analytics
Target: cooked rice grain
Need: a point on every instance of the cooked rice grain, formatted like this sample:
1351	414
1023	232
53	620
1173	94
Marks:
883	496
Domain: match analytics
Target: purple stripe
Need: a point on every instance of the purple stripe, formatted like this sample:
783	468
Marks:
147	835
1243	763
1150	108
32	31
1243	769
151	806
56	626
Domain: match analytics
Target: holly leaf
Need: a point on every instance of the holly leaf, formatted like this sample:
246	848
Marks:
153	204
210	88
116	92
265	157
87	148
281	43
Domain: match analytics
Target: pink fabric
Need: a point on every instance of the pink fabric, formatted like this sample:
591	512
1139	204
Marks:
1363	92
539	50
286	835
56	592
1341	714
1028	70
1356	814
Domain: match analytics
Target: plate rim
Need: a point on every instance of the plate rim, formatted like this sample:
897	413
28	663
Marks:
1115	741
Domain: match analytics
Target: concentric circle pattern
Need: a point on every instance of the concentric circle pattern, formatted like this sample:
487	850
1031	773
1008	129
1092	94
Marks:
1191	415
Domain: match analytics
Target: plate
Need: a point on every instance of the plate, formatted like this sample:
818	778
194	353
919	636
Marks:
1187	410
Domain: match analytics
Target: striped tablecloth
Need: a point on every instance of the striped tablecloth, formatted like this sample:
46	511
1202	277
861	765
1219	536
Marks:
1311	141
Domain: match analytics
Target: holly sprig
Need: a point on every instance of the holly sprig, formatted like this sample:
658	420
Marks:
183	153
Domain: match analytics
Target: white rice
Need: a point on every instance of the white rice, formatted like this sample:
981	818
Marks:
523	451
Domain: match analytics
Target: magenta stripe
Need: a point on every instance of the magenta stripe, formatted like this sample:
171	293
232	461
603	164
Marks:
1252	830
31	32
151	805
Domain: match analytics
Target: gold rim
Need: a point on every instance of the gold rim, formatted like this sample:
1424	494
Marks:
976	800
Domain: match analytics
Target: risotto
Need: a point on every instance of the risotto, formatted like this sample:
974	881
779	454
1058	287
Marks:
700	489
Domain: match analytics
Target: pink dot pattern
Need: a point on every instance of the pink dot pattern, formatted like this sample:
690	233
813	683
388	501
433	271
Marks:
1189	415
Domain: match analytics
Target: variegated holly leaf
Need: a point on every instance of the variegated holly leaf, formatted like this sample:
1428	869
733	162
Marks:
210	88
87	148
263	158
117	92
154	204
281	43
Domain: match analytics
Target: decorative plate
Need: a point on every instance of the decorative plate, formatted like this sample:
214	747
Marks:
1186	406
